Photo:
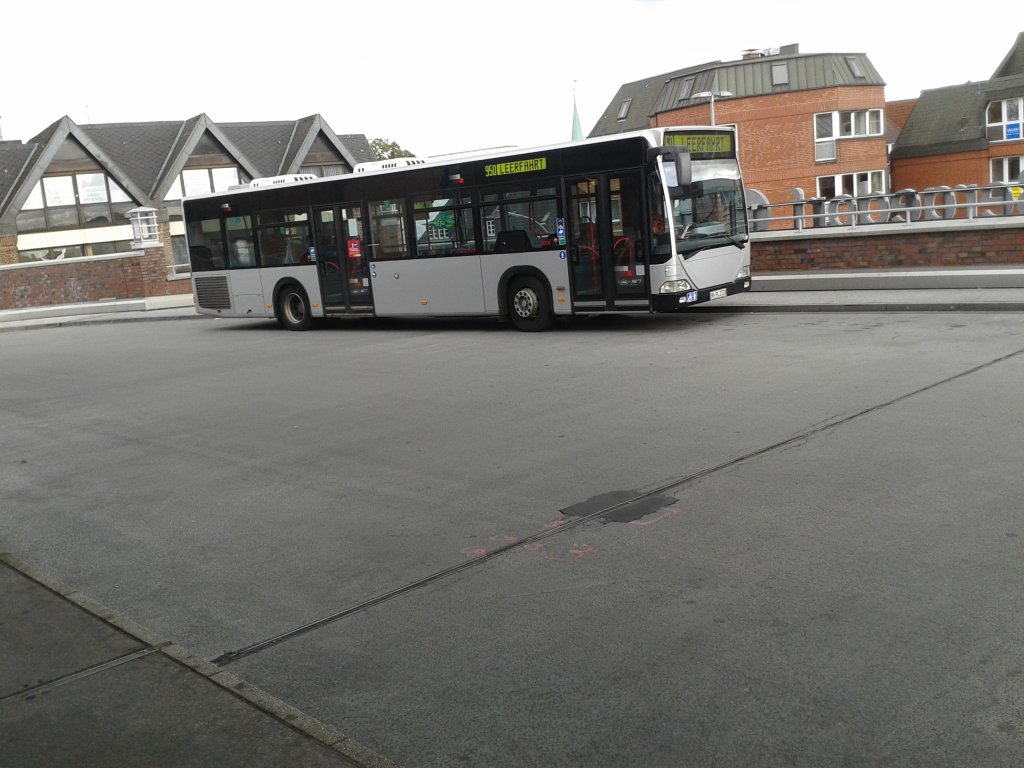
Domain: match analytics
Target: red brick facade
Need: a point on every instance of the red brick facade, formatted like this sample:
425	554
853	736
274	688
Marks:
971	168
139	275
964	247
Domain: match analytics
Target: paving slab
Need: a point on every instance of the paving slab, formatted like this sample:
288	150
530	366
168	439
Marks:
81	686
44	637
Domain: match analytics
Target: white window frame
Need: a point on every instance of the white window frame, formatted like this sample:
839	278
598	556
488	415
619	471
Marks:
1008	127
216	176
1004	173
624	109
875	181
846	124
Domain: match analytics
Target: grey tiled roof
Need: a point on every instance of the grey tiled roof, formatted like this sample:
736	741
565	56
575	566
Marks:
1013	63
357	144
266	144
144	158
744	78
952	119
141	150
15	162
643	94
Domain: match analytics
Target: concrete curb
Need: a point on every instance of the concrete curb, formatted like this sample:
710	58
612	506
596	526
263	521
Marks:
105	319
294	718
985	306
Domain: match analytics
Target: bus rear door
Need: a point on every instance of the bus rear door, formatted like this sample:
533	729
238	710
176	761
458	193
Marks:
342	262
606	224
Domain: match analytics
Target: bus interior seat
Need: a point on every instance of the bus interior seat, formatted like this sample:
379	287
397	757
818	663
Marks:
513	241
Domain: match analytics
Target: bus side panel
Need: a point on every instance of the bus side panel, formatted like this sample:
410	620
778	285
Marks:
247	293
305	275
434	286
553	264
250	292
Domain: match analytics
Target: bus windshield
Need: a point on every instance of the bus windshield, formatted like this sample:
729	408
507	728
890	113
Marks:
710	210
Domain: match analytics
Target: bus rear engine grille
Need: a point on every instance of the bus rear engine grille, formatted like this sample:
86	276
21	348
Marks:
212	292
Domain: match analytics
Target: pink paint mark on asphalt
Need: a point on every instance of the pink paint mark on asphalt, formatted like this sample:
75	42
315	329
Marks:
672	512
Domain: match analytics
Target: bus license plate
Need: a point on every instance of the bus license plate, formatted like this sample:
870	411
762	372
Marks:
721	293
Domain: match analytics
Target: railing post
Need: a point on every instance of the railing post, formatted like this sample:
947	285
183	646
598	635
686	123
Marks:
796	196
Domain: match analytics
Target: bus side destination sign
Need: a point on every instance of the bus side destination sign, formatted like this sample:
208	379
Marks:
516	166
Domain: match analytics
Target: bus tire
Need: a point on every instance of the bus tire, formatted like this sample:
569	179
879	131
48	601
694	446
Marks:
529	304
293	310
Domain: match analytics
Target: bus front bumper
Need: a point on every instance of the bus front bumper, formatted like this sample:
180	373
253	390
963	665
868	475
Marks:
680	302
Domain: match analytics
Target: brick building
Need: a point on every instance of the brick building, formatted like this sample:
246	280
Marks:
813	121
66	193
965	134
820	122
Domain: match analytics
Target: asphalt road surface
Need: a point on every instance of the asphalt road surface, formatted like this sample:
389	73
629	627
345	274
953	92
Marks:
728	540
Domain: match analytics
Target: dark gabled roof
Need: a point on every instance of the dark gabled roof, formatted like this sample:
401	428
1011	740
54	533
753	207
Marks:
151	155
1013	63
278	148
264	143
46	134
642	95
358	146
952	119
142	150
742	79
44	148
15	163
145	158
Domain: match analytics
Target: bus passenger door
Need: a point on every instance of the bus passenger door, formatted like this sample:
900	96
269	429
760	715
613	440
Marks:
341	253
606	221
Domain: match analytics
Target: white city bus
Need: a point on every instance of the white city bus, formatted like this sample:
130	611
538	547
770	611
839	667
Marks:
649	221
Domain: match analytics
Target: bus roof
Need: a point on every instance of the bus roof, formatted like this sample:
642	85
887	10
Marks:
652	135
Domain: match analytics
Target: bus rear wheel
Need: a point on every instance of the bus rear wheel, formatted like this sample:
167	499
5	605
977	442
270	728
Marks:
529	304
293	310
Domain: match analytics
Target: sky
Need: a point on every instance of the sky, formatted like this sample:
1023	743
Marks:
443	76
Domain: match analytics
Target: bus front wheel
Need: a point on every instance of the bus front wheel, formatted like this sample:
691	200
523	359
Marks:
529	304
293	310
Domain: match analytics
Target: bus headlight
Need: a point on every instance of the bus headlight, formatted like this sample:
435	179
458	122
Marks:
743	273
675	286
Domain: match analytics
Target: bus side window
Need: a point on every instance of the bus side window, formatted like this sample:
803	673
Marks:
206	245
272	247
387	230
529	209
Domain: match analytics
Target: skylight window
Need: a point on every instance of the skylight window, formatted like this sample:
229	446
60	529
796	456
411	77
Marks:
624	109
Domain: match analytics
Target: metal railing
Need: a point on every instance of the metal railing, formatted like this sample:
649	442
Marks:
961	203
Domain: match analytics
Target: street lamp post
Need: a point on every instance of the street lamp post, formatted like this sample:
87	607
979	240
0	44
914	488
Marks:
711	95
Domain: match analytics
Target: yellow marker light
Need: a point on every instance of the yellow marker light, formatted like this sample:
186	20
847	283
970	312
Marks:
424	302
559	287
561	298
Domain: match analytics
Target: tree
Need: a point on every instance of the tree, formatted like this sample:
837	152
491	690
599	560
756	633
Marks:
385	149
